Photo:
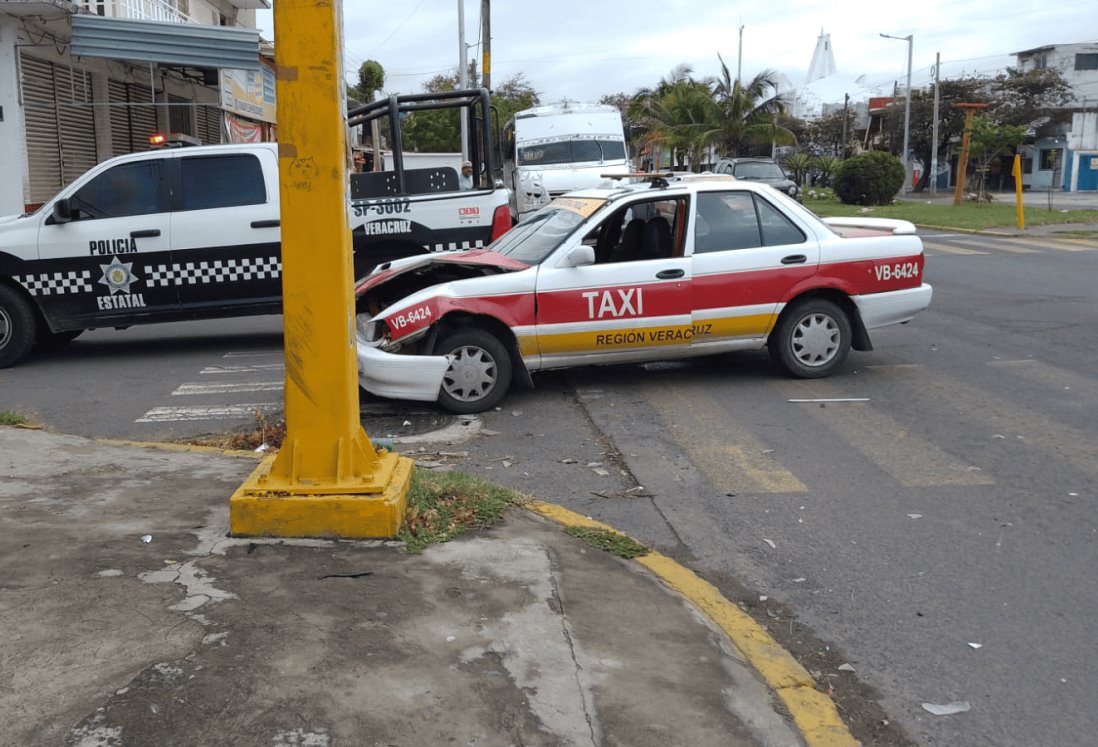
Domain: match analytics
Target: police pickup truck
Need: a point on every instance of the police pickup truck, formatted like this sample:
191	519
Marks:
193	233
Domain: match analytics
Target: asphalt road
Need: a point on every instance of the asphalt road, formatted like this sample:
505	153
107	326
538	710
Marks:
927	515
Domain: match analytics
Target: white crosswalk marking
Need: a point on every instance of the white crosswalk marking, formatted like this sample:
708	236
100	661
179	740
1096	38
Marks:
193	389
243	369
207	412
950	249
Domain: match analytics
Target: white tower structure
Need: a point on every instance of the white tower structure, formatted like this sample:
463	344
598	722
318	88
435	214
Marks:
823	60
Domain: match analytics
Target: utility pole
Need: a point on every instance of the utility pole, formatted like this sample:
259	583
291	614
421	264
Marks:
739	61
842	145
962	163
934	129
486	42
463	77
910	39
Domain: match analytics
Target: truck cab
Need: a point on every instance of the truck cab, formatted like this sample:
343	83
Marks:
554	149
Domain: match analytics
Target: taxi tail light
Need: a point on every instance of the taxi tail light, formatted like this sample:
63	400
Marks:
501	221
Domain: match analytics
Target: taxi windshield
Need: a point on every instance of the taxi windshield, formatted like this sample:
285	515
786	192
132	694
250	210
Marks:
533	240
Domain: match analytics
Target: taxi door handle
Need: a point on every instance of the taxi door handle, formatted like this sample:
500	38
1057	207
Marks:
147	234
265	223
794	259
670	274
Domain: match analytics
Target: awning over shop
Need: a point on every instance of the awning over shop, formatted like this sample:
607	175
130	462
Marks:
187	44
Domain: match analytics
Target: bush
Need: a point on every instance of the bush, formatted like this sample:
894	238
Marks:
871	178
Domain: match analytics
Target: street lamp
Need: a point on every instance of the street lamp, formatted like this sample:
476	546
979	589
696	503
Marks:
910	38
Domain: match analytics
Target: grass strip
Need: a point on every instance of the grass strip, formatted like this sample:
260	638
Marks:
608	541
444	504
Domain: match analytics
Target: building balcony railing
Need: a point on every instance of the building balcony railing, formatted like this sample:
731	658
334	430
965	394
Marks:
138	10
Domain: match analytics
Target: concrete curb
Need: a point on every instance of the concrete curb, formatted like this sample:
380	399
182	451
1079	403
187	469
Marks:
813	712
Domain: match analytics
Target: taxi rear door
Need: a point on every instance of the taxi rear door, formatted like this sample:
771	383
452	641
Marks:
748	256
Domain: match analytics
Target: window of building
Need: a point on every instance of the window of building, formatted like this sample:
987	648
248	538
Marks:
1051	158
1086	61
221	181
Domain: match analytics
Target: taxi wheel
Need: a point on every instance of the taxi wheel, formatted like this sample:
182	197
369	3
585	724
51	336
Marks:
17	327
812	339
479	372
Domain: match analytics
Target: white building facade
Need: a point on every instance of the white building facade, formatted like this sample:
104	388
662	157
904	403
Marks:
1065	157
83	81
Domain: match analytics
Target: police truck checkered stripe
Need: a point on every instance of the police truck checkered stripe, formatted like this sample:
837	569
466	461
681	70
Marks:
450	246
57	283
218	271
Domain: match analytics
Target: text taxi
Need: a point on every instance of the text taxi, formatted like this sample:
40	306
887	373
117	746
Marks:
640	272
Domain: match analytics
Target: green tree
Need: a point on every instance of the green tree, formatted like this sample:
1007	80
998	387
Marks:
371	79
1022	98
440	131
871	178
824	135
951	121
988	141
799	164
749	117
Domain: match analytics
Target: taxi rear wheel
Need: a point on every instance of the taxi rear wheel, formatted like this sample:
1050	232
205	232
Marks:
812	339
17	327
479	372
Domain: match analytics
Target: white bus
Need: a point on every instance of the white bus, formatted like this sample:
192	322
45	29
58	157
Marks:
550	150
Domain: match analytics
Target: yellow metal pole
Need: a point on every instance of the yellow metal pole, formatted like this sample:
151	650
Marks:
1016	172
326	480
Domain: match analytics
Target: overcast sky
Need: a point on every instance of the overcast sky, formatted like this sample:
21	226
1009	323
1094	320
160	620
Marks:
583	49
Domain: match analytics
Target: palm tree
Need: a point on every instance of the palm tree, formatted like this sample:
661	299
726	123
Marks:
747	115
680	118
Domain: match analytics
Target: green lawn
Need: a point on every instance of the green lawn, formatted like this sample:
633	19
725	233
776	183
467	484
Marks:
967	215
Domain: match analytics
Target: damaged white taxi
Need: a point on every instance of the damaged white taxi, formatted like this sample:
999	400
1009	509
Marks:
629	273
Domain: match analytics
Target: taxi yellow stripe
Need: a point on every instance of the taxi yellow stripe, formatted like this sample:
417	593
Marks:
626	337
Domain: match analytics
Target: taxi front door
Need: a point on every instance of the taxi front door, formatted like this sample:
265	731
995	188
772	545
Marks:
630	305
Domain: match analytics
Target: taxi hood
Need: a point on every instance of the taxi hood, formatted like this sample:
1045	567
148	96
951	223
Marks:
392	281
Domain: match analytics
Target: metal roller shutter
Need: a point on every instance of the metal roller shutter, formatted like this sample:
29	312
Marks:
180	116
60	125
209	124
40	114
133	117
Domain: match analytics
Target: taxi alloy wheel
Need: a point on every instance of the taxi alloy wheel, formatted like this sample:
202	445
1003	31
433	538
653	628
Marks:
812	339
17	327
479	372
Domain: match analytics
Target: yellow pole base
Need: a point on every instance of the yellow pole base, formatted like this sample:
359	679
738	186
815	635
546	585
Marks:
263	507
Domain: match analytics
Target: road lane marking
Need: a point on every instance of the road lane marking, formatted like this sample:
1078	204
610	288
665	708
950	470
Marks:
243	369
911	460
1032	427
211	412
195	389
950	249
260	354
733	461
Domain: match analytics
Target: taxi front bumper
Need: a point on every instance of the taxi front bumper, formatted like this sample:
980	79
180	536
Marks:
414	377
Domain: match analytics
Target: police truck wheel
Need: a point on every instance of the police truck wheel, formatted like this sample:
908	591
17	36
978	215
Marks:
811	340
17	327
479	372
51	342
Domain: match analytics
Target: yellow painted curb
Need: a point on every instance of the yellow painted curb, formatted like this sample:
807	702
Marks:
813	712
259	511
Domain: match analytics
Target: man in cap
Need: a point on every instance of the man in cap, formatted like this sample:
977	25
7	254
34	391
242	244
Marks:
465	181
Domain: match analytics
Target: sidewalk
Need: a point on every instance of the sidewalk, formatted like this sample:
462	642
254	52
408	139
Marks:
131	618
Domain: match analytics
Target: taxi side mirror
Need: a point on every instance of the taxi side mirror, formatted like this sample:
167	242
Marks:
579	256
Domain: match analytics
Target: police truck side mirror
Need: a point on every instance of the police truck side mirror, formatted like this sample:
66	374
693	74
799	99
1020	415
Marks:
62	211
